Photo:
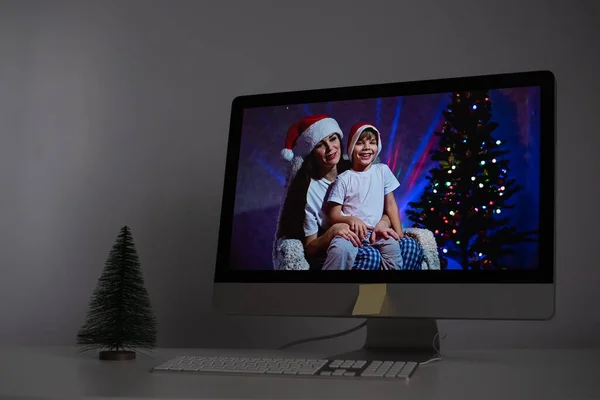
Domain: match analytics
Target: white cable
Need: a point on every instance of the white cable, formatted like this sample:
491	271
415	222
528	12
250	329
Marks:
437	351
431	360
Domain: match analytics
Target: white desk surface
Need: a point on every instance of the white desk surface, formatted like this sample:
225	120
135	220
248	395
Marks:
62	372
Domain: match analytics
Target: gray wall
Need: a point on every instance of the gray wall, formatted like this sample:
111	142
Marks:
116	113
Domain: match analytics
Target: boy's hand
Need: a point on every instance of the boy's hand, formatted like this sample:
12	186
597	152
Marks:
359	227
383	231
344	231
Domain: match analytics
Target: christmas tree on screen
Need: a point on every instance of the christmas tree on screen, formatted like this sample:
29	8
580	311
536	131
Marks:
470	189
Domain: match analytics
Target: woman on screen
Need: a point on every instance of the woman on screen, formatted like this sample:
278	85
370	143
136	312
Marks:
313	146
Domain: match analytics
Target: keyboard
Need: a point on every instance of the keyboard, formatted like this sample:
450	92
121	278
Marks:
290	367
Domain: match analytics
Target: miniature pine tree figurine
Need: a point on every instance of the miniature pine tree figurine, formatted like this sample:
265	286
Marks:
120	317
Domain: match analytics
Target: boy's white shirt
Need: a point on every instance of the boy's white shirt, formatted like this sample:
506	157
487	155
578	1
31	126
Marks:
361	193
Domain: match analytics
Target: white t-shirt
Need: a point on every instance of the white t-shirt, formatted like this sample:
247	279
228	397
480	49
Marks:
315	215
362	193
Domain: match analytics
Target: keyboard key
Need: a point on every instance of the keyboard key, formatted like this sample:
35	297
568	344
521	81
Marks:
275	371
306	372
407	370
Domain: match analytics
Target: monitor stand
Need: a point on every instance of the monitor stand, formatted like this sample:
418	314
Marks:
397	339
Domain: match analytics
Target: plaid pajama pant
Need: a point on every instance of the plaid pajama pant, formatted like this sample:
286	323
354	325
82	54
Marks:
368	258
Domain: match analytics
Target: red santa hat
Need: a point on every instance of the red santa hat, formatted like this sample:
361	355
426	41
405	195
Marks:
304	135
355	134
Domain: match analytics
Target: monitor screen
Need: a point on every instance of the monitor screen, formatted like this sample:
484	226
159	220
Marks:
467	160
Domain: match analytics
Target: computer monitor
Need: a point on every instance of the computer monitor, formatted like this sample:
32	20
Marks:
466	163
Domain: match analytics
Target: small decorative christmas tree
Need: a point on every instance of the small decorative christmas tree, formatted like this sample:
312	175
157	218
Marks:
469	189
120	317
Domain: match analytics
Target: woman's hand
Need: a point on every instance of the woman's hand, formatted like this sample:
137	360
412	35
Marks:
343	230
359	227
383	231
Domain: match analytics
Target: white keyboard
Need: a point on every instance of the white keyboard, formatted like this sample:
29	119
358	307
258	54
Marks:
289	367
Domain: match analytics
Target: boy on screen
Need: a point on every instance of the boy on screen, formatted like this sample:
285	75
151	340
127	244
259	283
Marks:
360	196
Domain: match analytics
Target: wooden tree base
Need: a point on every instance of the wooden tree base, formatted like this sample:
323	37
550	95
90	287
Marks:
113	355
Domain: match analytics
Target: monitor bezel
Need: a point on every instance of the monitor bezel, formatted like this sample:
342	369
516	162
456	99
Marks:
544	275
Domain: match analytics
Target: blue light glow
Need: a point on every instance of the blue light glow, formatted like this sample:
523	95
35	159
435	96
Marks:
307	110
393	131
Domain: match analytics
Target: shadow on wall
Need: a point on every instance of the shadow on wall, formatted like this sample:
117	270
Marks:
176	242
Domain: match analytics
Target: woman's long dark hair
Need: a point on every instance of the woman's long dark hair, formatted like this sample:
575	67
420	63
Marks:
291	222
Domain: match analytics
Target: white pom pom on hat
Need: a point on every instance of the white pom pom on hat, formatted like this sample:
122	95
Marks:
287	154
304	135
